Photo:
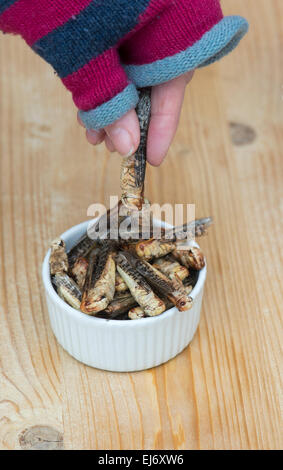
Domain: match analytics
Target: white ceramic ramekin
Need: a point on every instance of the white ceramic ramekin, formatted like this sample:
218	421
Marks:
119	345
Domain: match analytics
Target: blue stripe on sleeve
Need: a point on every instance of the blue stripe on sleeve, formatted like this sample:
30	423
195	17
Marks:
214	44
90	33
4	4
112	110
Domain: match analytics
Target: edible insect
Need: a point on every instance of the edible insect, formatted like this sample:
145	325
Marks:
171	268
189	231
172	289
120	285
137	313
133	167
192	257
79	271
101	228
149	249
58	260
99	285
67	289
119	305
87	279
81	249
195	228
138	287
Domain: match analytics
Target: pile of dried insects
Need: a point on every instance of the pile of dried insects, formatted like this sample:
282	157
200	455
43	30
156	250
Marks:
118	279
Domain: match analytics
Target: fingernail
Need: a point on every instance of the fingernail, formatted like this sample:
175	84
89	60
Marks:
92	132
131	151
123	141
94	137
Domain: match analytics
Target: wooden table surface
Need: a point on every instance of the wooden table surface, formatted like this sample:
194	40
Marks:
223	391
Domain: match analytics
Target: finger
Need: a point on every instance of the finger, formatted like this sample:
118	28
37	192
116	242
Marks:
125	133
95	137
188	76
109	144
167	100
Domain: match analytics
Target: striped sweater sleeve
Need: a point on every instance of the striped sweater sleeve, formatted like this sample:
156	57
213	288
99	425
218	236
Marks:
104	49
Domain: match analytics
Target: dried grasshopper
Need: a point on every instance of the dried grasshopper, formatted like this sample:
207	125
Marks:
67	289
190	230
172	289
78	259
171	268
99	285
133	167
119	305
79	271
192	257
58	260
138	287
81	249
136	313
120	285
104	223
149	249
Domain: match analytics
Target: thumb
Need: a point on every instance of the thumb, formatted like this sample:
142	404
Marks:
125	133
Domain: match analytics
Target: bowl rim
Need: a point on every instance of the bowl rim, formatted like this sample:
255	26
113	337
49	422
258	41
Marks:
77	314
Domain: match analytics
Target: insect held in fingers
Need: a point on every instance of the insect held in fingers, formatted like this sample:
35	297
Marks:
133	167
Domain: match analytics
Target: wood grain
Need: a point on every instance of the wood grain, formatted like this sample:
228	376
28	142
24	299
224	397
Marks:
224	390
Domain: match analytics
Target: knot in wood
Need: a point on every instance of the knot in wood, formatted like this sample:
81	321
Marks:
41	438
241	134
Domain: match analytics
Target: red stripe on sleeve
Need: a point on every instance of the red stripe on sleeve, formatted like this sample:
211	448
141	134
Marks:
98	81
35	19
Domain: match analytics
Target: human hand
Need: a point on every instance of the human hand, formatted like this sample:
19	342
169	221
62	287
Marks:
123	135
